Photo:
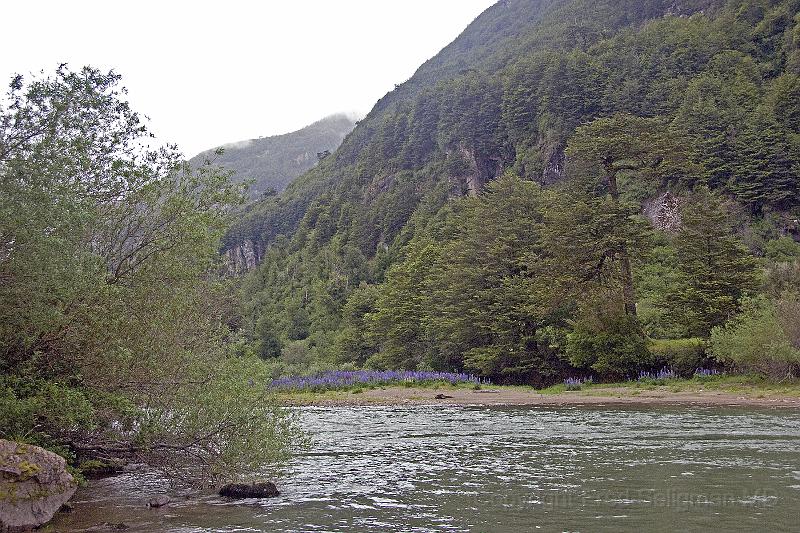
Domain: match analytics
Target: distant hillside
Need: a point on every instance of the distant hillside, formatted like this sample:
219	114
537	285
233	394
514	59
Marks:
273	162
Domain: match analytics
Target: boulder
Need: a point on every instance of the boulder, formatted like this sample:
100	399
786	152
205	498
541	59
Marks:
256	490
34	484
158	501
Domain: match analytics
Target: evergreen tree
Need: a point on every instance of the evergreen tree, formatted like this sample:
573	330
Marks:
764	172
402	306
637	151
715	267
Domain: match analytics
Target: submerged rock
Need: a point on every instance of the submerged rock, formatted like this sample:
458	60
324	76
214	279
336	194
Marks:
256	490
109	526
34	484
94	469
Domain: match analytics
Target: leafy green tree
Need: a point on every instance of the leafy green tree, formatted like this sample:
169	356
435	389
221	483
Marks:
756	340
479	300
765	173
354	344
715	267
269	342
402	305
605	339
488	304
109	303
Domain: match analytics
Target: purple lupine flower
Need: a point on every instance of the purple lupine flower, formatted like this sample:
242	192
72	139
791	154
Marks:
344	378
706	372
663	374
577	382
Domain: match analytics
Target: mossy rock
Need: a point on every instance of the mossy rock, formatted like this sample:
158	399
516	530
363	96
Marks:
34	484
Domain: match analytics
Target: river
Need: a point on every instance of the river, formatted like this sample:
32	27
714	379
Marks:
513	469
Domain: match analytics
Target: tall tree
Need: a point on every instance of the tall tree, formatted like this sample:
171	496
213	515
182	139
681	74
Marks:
715	267
640	153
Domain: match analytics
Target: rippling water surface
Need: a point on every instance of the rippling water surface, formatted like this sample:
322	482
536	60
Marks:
502	470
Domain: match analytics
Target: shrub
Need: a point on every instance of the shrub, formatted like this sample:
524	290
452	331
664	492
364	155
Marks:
782	277
683	356
615	352
756	341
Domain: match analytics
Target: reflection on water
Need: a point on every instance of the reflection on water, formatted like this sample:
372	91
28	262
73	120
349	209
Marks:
502	469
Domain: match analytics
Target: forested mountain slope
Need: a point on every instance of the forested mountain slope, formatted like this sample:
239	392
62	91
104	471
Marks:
618	109
273	162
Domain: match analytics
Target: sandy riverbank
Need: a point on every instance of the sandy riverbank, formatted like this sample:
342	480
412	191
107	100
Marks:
524	396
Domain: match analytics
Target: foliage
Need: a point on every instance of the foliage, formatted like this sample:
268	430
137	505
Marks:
757	340
607	340
683	356
112	339
475	301
376	258
715	268
784	249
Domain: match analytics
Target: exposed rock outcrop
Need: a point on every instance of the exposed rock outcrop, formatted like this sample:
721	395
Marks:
243	258
664	212
34	484
480	170
554	171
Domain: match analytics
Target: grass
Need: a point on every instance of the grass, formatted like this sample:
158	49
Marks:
747	385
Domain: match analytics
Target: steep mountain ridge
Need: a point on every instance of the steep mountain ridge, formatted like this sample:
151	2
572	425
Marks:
506	33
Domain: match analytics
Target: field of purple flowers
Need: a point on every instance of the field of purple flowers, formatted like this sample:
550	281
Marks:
338	379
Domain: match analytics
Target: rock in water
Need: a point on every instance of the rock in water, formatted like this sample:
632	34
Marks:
34	484
256	490
158	501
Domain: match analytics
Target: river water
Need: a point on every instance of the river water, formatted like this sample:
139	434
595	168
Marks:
513	469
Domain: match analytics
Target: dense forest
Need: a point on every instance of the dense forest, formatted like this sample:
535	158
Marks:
569	188
269	164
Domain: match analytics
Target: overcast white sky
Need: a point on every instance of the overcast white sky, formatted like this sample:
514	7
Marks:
208	73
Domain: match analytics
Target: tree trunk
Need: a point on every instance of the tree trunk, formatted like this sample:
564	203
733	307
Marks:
628	291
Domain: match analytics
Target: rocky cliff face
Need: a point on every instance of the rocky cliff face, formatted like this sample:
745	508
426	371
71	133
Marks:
243	258
480	171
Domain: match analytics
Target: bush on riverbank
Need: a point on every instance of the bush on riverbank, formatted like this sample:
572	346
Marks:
113	318
762	338
683	356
